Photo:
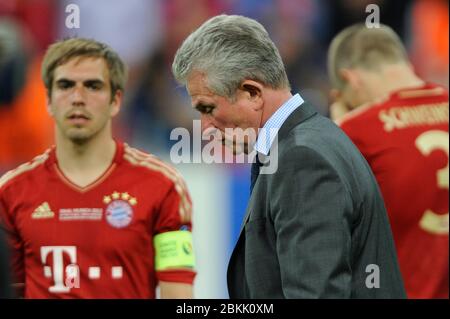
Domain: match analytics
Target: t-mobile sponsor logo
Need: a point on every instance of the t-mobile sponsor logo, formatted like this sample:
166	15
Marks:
68	277
72	273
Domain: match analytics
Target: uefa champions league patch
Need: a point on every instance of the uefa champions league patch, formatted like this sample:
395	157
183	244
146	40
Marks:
119	213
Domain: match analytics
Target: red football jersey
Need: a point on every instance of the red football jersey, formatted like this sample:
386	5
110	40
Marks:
95	241
405	140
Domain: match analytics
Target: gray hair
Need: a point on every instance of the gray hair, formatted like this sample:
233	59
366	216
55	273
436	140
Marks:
228	50
360	46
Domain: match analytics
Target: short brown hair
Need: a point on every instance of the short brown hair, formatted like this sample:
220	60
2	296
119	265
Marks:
62	51
360	46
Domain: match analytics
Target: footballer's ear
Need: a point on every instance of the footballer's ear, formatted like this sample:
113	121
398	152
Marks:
49	104
351	77
253	91
116	102
334	95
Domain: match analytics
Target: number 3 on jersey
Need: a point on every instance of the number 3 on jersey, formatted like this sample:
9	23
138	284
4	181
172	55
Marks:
426	143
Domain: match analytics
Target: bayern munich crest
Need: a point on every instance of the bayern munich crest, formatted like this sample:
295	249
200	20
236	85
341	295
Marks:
119	211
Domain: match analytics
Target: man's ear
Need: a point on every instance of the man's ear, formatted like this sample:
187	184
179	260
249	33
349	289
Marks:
351	77
334	95
116	103
48	104
253	91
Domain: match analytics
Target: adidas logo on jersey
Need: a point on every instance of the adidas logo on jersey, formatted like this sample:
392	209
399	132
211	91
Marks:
43	211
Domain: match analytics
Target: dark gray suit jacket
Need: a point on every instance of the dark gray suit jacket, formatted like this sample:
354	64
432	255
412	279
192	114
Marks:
317	226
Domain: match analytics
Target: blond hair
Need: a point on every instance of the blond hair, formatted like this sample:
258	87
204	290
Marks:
62	51
367	48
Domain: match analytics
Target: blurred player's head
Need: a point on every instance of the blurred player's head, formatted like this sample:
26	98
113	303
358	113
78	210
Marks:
85	81
364	62
228	64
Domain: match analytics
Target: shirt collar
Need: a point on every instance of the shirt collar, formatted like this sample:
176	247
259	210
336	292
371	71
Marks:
267	134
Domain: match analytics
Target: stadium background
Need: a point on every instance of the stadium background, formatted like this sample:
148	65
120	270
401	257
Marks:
147	34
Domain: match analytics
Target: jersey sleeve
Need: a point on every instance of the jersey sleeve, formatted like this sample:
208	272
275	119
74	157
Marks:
174	256
15	245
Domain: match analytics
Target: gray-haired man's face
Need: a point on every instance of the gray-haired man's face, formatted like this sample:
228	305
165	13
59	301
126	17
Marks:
235	123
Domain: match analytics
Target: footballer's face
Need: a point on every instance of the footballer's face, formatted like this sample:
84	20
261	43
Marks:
81	101
235	122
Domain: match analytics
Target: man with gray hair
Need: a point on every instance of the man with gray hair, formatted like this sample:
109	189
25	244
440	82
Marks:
317	226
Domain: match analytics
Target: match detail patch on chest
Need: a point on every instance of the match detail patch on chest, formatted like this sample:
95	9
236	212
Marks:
81	213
